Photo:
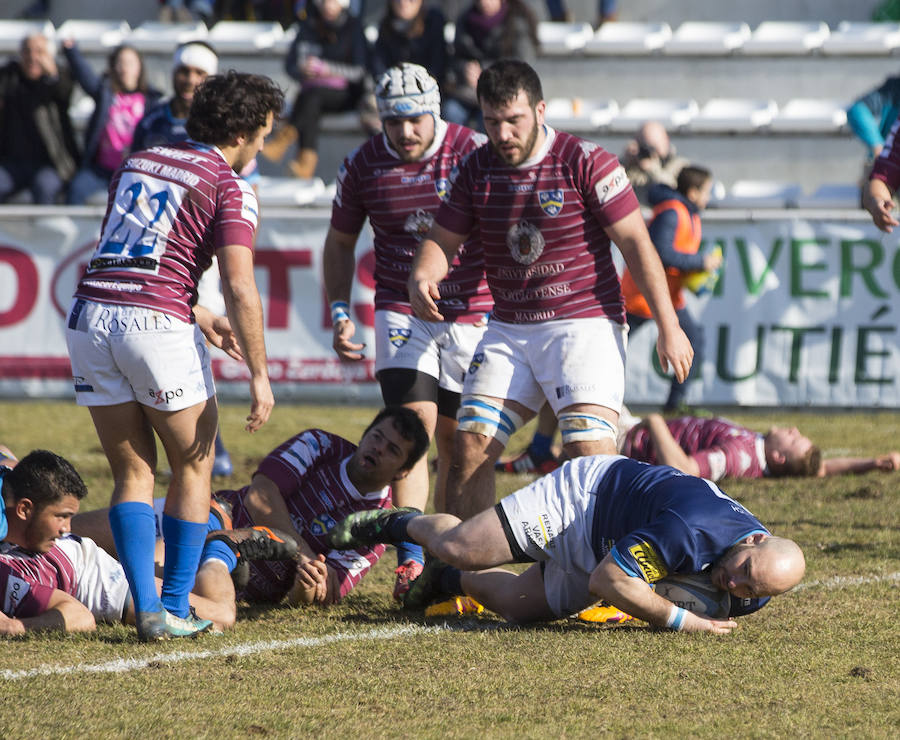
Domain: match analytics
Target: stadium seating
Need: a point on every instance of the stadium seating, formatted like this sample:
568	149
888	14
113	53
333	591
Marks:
290	191
162	38
734	115
707	38
760	194
810	115
832	196
241	37
863	38
580	116
628	38
563	39
12	33
94	37
673	114
786	38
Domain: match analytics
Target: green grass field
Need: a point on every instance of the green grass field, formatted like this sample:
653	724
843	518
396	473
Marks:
822	661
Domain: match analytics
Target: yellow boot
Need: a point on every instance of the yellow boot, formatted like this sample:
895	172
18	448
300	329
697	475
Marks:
304	164
278	144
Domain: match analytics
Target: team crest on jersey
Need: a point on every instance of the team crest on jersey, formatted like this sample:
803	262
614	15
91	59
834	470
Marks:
587	147
551	201
477	360
397	336
418	224
442	187
321	524
525	242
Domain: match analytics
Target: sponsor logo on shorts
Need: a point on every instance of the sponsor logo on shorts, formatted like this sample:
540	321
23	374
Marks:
162	397
551	201
525	242
110	321
648	560
477	361
81	386
398	337
569	390
321	525
540	532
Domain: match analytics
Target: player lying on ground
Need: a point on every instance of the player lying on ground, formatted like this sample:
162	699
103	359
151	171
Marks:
304	487
716	448
50	579
601	527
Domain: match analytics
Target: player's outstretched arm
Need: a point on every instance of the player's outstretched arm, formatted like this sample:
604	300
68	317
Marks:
879	202
339	265
630	235
844	465
431	265
668	451
244	308
635	597
64	613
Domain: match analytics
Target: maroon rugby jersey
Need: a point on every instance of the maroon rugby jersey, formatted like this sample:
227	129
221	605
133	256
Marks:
887	164
40	572
541	225
22	597
720	447
169	209
310	470
400	199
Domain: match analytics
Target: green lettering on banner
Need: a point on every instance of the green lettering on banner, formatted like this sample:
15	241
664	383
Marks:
876	257
719	289
863	353
834	364
722	355
896	269
797	335
755	285
657	368
798	266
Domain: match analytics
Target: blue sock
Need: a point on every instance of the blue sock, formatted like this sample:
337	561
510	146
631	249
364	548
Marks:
213	524
451	581
216	549
184	543
409	551
540	446
133	527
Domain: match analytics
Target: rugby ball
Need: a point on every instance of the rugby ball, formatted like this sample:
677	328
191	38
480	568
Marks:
695	593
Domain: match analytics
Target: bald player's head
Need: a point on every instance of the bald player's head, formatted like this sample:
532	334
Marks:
760	565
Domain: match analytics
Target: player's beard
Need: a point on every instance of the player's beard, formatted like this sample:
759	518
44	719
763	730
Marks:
521	153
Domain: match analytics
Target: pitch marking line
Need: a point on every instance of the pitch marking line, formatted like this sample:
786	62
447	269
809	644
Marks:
845	581
251	648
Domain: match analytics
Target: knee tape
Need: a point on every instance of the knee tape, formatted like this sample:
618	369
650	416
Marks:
488	417
577	427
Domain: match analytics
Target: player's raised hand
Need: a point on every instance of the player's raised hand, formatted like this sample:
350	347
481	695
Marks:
675	351
343	344
423	295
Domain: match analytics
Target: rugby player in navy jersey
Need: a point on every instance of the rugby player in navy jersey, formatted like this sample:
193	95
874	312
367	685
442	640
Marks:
600	527
398	179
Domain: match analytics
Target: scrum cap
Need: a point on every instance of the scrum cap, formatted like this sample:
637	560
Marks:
407	90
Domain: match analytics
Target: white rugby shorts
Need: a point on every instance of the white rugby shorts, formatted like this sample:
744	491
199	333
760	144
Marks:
441	349
565	362
101	583
551	521
127	353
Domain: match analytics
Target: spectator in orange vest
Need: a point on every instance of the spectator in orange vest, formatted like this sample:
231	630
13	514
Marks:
676	234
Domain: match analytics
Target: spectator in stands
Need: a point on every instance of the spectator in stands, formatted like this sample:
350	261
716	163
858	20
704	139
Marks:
650	158
328	59
489	30
607	10
121	97
410	31
183	11
676	233
870	118
37	143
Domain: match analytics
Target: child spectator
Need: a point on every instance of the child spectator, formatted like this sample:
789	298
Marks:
121	97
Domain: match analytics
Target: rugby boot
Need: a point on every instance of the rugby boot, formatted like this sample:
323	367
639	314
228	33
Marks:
366	527
163	625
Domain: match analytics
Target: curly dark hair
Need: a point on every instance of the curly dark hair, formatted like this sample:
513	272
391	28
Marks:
231	104
43	477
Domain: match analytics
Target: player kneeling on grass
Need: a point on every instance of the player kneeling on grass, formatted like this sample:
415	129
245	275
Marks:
304	487
50	579
600	527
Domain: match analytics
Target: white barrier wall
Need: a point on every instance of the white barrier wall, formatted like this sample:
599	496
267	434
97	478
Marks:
805	312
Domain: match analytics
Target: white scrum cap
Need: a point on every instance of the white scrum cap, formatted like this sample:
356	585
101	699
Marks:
407	90
196	55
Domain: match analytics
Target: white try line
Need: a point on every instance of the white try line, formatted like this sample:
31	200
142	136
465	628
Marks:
845	581
251	648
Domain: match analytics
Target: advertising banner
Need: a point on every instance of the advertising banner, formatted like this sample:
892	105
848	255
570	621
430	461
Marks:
804	314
